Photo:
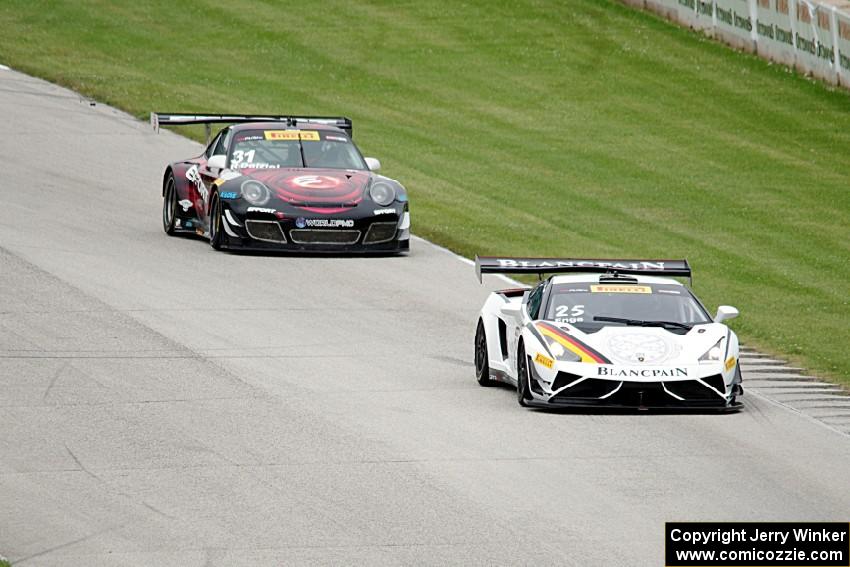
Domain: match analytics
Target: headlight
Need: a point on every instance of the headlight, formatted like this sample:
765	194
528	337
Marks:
562	354
715	353
255	192
382	193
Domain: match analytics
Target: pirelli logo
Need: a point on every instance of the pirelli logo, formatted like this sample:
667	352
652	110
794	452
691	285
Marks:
544	360
310	135
620	289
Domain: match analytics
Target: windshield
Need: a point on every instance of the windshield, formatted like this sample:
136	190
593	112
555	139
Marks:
273	149
579	303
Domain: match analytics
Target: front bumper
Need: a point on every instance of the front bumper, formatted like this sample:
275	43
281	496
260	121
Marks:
292	232
708	390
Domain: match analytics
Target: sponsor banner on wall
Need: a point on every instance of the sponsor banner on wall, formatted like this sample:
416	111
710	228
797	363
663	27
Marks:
696	14
775	31
813	54
811	35
734	22
843	23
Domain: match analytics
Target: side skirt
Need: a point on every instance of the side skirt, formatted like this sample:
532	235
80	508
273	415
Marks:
502	376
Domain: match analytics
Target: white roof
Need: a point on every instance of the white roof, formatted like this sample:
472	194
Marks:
594	278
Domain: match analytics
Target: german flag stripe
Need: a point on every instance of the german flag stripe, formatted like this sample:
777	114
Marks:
586	353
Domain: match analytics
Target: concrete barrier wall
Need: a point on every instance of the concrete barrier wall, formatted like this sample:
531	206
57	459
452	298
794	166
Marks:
812	36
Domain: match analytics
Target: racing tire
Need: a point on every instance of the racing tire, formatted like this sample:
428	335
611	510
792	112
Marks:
522	393
169	207
482	361
215	224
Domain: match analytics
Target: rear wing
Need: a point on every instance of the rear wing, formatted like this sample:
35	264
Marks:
540	266
176	119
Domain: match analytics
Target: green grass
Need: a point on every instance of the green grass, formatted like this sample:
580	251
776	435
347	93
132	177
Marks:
580	128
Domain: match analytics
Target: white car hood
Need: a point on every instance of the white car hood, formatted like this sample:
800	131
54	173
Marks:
651	346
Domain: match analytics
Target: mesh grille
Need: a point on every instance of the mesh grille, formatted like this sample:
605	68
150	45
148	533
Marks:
267	231
310	236
380	232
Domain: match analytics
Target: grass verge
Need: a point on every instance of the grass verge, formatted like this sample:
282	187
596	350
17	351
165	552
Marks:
580	128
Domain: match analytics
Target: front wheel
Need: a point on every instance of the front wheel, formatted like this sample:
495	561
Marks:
169	206
482	361
522	393
215	224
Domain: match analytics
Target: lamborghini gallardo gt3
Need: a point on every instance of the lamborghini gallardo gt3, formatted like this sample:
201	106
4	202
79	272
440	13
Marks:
606	333
283	183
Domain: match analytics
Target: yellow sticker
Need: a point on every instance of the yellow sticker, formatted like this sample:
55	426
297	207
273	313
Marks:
218	182
544	360
620	289
730	363
311	135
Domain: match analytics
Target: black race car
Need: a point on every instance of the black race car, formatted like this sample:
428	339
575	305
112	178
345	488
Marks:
283	183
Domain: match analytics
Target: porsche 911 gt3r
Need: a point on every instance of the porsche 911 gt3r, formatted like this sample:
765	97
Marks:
606	333
286	184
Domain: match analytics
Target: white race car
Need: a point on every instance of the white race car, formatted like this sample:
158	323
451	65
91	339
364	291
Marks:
613	333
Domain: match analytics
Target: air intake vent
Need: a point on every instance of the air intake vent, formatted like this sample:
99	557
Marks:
335	237
267	231
589	388
380	232
692	390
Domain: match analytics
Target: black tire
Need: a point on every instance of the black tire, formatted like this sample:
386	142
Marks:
169	206
522	393
482	361
215	223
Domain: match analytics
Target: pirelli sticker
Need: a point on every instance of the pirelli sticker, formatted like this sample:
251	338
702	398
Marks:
620	289
309	135
544	360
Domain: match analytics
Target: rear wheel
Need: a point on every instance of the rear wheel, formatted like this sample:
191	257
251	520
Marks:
482	361
215	224
522	393
169	206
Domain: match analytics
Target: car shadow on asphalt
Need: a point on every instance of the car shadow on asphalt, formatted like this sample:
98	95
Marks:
336	254
590	410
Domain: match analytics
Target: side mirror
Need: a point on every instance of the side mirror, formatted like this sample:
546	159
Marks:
217	162
373	163
512	309
725	312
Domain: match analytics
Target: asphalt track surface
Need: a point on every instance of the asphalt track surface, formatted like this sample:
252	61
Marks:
165	404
